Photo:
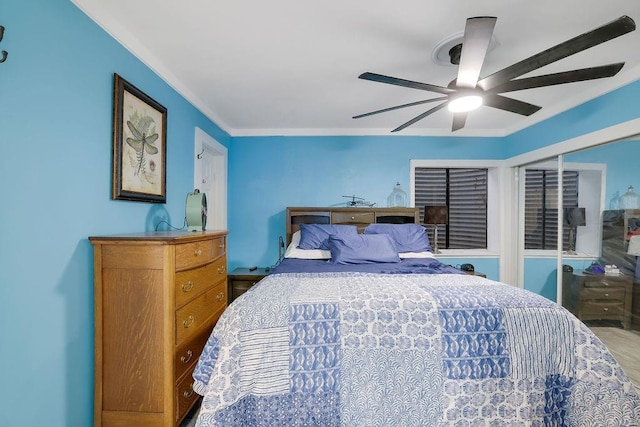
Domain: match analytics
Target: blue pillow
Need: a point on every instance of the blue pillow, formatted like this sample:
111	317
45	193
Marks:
314	236
408	237
362	249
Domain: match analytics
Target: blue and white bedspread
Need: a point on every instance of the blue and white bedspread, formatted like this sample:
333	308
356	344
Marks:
358	349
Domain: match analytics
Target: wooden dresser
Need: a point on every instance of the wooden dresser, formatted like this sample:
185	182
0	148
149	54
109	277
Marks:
598	297
157	297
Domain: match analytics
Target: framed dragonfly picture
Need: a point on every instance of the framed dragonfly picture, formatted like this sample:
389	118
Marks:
139	145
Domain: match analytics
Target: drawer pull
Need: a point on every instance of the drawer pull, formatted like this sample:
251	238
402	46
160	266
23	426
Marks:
221	269
353	218
187	393
187	287
606	295
186	359
606	309
197	252
220	296
189	321
221	246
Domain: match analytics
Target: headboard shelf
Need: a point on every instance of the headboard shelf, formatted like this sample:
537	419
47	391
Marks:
360	217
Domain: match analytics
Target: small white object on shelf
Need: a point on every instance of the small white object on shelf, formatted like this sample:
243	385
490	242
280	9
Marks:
611	270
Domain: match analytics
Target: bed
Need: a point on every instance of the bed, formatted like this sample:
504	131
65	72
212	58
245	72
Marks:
381	333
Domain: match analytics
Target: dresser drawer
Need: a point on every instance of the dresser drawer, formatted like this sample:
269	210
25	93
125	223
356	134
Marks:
185	396
354	218
189	255
604	294
602	308
239	287
242	279
605	282
188	352
191	283
199	311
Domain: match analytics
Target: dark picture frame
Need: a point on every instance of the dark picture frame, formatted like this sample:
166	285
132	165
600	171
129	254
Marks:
139	163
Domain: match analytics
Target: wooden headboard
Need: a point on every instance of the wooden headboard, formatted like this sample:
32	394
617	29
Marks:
361	217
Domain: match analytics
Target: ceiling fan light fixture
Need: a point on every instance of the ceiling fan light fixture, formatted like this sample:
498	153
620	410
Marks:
463	104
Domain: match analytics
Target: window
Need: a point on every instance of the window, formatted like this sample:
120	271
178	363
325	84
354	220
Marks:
541	207
464	191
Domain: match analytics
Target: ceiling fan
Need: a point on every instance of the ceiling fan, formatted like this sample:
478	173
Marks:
468	91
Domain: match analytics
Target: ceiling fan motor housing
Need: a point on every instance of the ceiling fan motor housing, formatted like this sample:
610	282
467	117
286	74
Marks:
454	54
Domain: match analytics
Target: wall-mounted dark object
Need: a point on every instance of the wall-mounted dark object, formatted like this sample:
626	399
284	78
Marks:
4	52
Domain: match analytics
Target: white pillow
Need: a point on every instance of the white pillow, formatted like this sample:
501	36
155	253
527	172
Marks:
425	254
293	251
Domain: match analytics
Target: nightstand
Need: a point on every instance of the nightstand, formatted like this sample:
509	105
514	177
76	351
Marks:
471	273
242	279
598	297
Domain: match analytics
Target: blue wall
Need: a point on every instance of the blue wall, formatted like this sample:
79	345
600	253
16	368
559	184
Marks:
267	174
55	152
621	159
275	172
618	106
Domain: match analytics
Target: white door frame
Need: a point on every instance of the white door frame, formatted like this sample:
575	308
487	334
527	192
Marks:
217	201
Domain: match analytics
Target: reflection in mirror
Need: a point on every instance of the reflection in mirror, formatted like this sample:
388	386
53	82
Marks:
600	285
582	196
539	225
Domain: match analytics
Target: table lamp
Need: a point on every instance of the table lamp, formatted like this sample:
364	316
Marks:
573	218
435	215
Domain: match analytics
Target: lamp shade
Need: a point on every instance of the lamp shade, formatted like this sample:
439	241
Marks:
436	215
574	217
634	246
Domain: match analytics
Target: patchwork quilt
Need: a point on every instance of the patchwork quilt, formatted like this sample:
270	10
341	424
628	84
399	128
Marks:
361	349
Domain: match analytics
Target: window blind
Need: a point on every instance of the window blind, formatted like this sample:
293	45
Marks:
464	191
541	207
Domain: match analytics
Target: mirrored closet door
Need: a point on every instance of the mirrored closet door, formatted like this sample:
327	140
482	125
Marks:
599	282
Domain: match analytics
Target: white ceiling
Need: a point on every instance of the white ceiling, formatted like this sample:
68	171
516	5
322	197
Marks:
290	67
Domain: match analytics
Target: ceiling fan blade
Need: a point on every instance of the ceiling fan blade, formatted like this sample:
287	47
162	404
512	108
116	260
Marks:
397	107
459	119
477	35
609	31
509	104
420	117
582	74
404	83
